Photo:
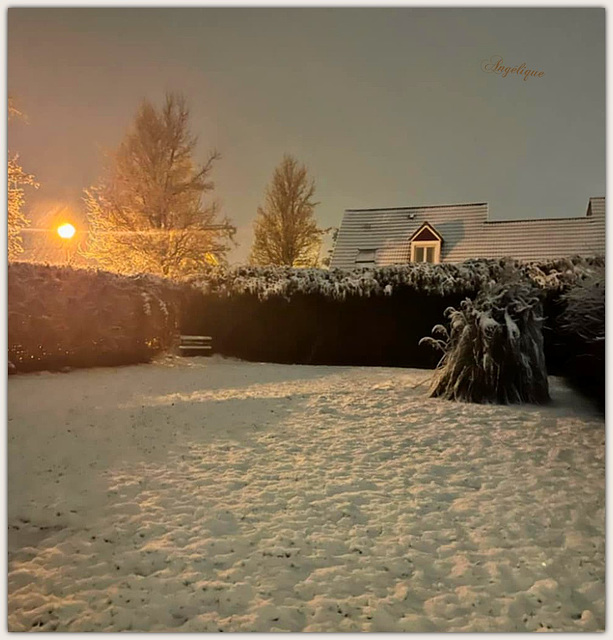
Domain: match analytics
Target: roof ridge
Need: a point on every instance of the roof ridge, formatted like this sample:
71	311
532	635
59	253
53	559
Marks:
583	217
462	204
425	206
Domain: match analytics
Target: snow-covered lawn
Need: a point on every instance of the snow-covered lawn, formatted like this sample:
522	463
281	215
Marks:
210	494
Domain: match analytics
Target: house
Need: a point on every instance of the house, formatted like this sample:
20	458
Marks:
458	232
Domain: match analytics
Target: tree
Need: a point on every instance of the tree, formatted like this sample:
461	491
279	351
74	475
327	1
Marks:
147	214
285	229
17	180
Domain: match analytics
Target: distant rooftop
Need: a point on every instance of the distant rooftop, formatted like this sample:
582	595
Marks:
384	234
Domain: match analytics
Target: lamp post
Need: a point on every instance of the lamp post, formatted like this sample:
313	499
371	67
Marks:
66	232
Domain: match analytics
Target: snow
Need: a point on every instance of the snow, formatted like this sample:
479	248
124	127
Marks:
210	494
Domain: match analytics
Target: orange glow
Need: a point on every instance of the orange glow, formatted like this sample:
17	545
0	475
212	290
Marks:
66	231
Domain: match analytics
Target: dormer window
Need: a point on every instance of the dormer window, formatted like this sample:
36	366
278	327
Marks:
426	245
424	252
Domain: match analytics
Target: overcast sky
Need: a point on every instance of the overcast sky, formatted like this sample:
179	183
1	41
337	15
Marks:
386	107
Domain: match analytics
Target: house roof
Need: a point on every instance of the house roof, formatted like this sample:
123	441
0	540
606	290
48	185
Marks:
467	233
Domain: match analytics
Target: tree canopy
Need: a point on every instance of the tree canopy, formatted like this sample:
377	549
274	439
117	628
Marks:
18	179
285	229
147	214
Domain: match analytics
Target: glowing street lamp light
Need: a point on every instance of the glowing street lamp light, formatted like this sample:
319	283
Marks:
66	231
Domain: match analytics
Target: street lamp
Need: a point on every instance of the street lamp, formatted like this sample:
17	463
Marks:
66	231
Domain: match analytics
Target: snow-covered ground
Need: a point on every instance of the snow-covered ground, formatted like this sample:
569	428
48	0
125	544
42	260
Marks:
210	494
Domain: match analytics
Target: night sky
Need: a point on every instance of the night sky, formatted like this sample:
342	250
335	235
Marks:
386	107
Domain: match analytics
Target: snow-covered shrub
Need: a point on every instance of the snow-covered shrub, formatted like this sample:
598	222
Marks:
493	349
584	313
581	332
60	316
556	276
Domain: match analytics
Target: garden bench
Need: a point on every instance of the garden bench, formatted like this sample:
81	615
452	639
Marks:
201	344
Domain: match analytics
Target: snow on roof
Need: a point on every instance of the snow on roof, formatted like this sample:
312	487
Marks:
468	233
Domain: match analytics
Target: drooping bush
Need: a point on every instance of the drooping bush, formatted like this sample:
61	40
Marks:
493	350
63	317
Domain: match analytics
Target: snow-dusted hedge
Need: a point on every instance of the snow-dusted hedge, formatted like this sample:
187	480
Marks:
584	314
493	351
581	331
429	279
63	317
369	316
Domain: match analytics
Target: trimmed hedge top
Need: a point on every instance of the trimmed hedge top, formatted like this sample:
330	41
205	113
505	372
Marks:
433	279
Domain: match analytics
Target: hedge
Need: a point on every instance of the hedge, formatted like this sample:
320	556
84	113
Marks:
428	279
63	317
580	327
370	316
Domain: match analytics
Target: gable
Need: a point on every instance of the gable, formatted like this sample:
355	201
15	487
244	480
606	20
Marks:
426	233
